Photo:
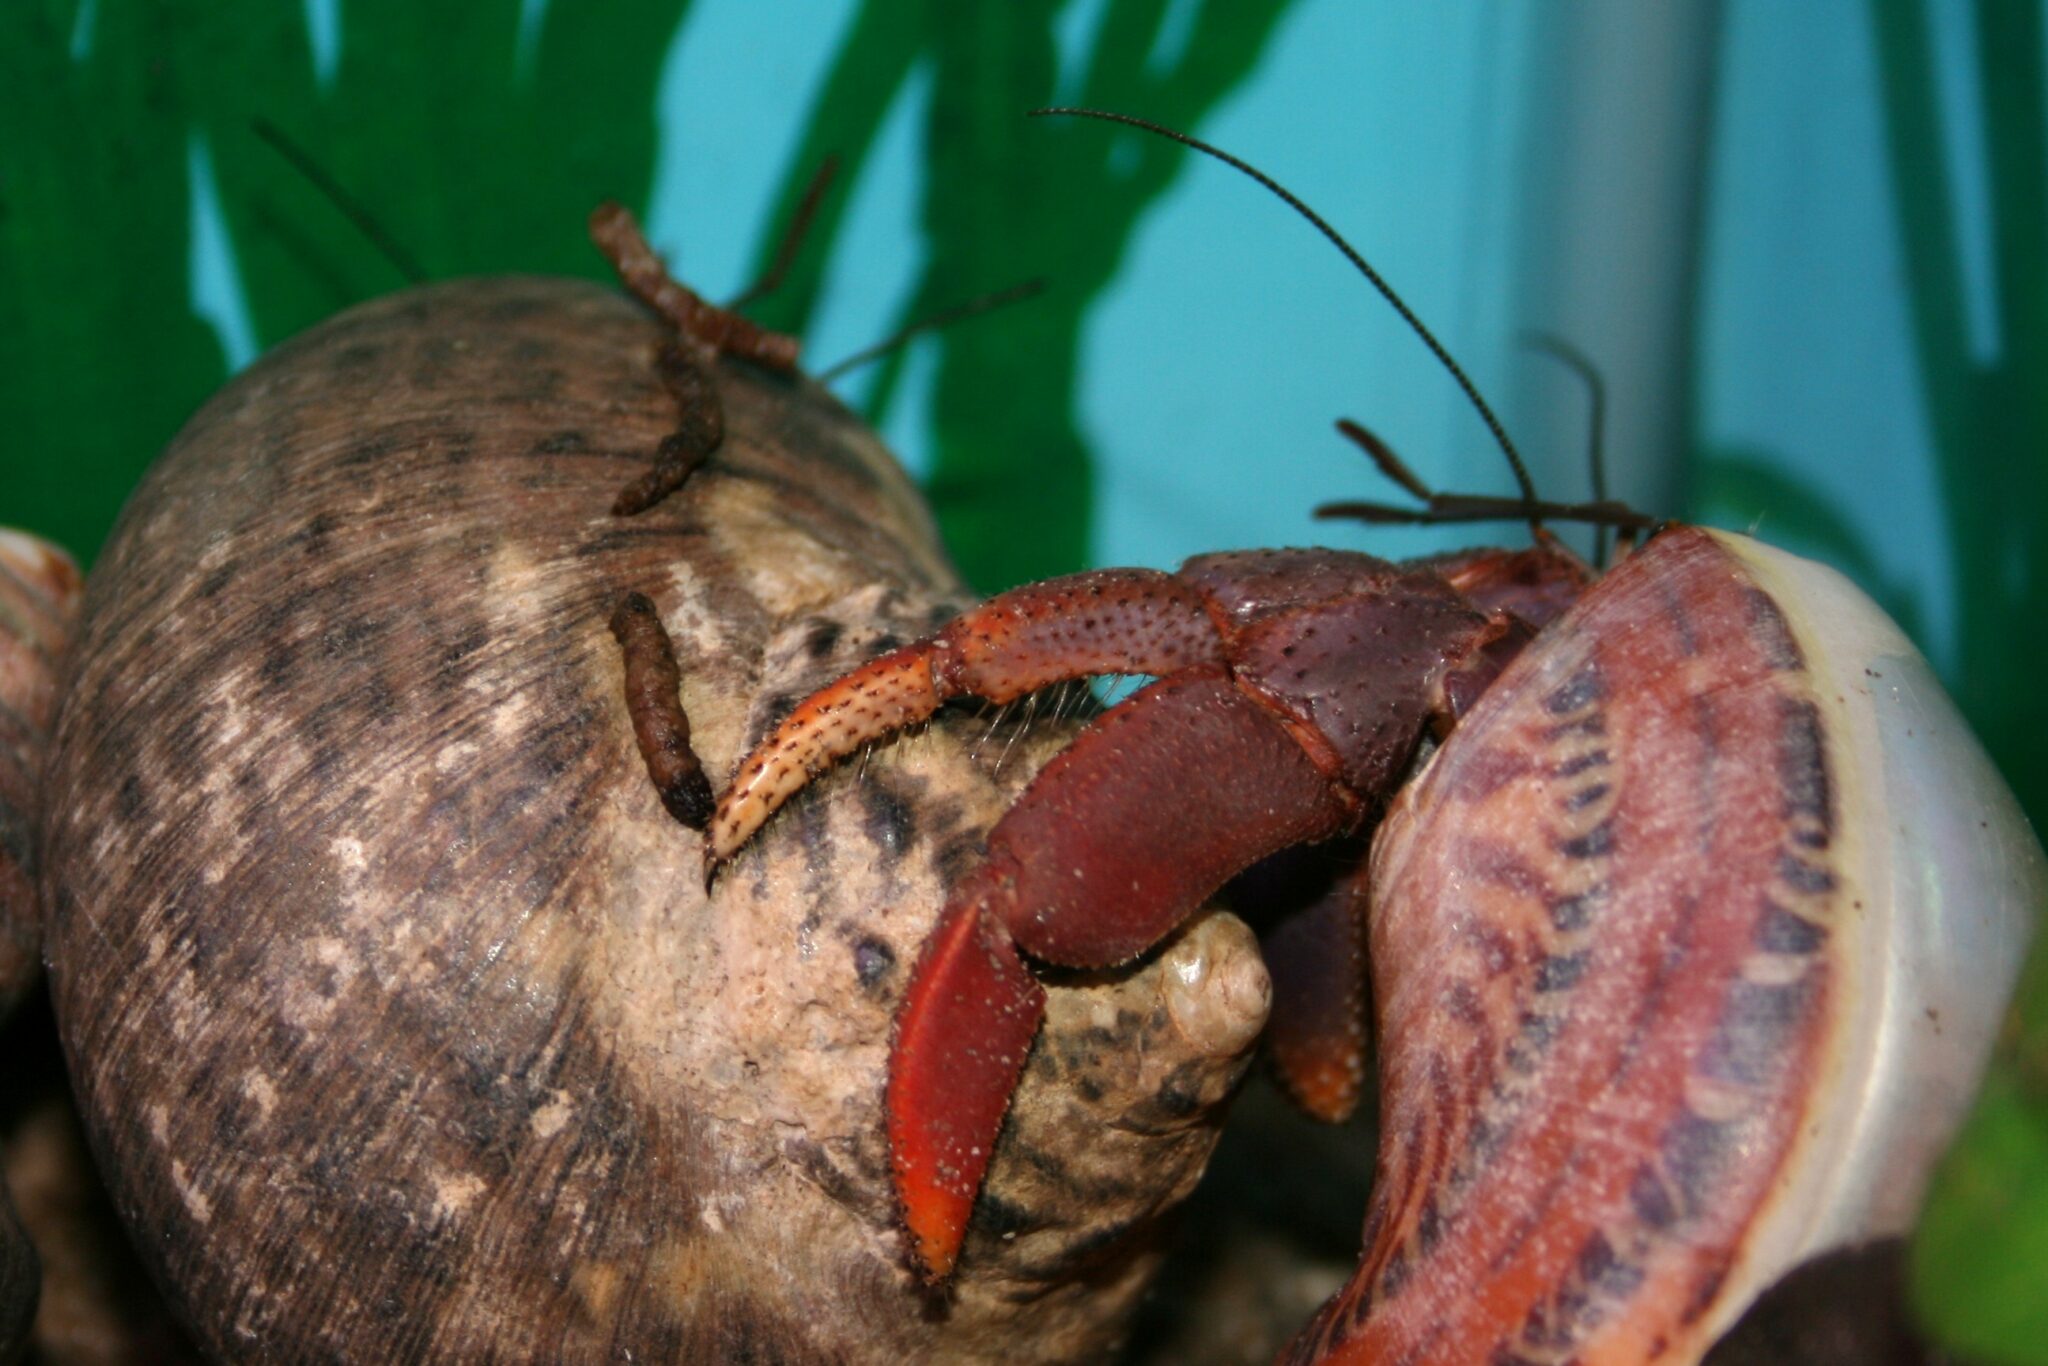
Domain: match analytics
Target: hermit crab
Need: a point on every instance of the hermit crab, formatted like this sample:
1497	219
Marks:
1690	910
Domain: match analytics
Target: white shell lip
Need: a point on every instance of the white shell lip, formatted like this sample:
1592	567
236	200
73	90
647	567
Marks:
1943	879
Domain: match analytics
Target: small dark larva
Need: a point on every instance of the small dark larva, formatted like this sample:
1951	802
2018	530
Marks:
659	724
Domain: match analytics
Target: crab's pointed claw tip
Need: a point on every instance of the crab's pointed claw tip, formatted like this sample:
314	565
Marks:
936	1232
881	697
733	822
961	1040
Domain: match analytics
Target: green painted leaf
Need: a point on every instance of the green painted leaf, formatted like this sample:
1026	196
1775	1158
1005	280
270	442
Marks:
473	161
1010	199
101	355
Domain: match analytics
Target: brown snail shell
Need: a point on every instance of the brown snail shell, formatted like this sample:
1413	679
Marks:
400	1019
20	1277
39	588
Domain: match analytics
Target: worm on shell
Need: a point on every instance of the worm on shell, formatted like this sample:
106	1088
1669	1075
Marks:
659	725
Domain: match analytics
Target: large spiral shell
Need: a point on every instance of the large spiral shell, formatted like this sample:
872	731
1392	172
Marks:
399	1014
39	588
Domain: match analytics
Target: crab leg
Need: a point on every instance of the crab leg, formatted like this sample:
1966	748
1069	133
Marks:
1316	955
1133	862
961	1040
1112	621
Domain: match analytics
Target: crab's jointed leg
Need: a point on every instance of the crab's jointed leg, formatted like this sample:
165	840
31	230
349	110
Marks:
1111	621
1294	687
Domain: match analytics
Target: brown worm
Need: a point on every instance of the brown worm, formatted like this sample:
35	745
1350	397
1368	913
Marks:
659	725
642	272
700	429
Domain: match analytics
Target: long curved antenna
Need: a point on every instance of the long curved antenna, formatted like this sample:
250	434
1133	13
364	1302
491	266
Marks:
931	322
349	206
1378	282
1580	364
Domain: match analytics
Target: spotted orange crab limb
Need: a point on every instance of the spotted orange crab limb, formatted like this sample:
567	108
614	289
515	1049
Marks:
1112	621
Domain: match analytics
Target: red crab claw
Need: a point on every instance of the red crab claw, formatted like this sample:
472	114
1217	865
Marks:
1129	867
1293	689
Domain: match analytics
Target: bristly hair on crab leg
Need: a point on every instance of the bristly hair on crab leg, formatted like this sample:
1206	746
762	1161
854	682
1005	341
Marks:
1115	621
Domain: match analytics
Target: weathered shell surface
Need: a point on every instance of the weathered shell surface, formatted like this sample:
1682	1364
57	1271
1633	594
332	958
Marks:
19	1279
400	1018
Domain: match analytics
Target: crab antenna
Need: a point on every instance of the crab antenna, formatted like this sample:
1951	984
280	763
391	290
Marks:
347	204
1580	364
1391	465
1336	239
